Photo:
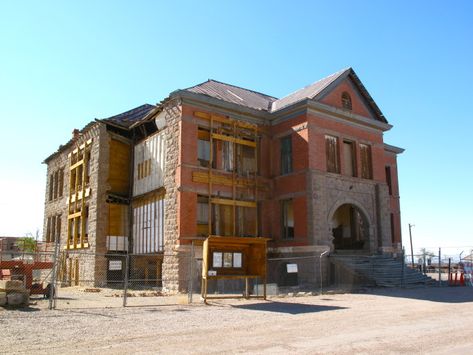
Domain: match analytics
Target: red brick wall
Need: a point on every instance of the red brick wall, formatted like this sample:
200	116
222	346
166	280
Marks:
334	98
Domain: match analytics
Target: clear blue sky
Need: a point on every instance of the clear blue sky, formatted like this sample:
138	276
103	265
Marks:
64	63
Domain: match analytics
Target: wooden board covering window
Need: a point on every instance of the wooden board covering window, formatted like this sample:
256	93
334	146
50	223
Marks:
366	168
332	154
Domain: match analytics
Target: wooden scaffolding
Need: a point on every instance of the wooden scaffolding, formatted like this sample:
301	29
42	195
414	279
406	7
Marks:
233	248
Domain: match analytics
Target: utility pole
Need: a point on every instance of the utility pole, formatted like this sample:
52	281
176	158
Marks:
412	249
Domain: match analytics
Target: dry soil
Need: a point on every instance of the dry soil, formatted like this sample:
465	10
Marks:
418	321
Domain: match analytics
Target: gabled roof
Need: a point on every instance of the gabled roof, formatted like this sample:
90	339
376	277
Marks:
308	92
126	119
320	88
262	102
233	94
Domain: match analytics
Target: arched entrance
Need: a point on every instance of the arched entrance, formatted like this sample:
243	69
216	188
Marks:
350	228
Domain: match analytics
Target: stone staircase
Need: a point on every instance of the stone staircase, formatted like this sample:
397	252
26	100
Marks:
381	270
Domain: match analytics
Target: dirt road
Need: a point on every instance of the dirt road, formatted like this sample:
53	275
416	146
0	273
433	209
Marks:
432	320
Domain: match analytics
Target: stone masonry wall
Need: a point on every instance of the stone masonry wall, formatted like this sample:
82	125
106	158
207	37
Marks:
172	270
330	191
85	257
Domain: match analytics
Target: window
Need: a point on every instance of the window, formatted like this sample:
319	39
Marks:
346	101
144	169
246	160
77	226
203	147
286	155
349	158
51	186
61	182
202	215
53	228
222	220
332	154
366	168
392	228
56	184
287	219
227	156
388	179
246	221
227	259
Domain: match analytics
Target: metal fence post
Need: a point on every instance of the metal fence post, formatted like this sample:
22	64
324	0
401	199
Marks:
321	274
52	289
125	285
402	266
440	267
190	281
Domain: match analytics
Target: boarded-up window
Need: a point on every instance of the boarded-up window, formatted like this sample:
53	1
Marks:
388	179
349	158
332	154
346	101
286	155
148	226
287	219
366	168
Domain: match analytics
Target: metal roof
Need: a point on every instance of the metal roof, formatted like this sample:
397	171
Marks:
126	119
307	92
234	94
262	102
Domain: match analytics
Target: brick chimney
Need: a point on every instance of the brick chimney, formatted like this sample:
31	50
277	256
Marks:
75	133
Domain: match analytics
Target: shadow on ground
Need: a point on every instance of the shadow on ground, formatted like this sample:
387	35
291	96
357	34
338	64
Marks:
434	294
288	308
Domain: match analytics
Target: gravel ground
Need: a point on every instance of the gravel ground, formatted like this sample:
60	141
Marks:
416	321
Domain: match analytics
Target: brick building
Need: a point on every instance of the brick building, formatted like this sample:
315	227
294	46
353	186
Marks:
310	171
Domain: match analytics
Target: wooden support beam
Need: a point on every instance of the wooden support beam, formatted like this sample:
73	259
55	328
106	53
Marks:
234	140
229	202
225	120
202	177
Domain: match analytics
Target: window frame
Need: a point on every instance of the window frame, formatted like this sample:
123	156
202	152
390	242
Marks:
346	101
286	166
287	231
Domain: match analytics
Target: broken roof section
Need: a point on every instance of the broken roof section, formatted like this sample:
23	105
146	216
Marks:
124	120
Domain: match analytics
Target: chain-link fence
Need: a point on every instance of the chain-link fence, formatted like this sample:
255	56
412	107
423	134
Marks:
452	266
80	279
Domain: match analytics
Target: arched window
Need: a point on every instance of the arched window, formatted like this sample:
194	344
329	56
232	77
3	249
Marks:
346	100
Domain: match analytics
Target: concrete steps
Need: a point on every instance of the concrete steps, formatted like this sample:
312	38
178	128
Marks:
380	270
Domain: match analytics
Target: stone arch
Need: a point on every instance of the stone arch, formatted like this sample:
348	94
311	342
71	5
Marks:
350	226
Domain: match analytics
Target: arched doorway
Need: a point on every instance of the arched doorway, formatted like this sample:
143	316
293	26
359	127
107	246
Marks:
350	228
